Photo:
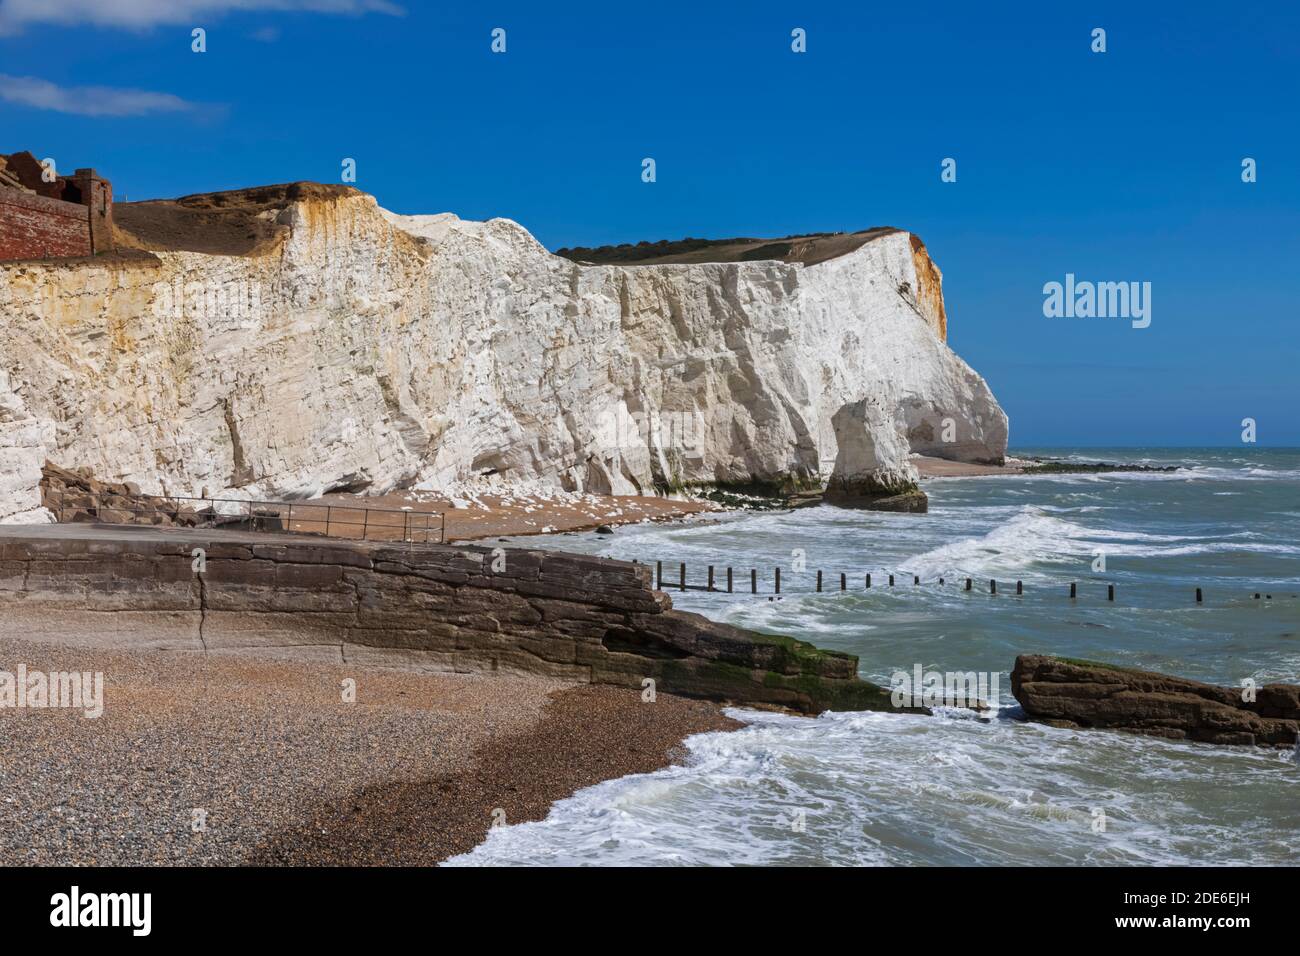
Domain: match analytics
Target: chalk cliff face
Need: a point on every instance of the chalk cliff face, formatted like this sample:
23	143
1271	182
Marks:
364	350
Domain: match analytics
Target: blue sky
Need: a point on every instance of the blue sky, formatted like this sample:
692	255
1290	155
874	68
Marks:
1122	166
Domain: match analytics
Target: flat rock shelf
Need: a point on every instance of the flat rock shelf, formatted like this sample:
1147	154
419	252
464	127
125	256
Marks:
1076	693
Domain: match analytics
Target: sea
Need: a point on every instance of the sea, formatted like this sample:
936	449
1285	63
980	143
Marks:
885	789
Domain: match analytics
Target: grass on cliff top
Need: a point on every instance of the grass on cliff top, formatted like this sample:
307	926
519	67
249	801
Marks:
808	249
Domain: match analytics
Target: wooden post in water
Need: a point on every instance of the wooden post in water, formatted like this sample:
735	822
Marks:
1198	595
682	586
1110	592
844	581
891	580
753	580
916	579
710	577
778	580
819	580
659	575
1020	587
868	580
993	587
1073	591
968	584
728	580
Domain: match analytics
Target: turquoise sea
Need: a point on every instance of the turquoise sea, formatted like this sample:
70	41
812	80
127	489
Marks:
889	789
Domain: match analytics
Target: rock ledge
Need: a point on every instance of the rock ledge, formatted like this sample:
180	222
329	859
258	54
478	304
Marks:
1075	693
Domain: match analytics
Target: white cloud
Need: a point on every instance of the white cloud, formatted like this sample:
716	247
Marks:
142	14
87	100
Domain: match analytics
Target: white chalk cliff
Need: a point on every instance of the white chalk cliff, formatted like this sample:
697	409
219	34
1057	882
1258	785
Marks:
366	350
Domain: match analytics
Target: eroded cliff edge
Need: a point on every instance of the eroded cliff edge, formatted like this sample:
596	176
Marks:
339	346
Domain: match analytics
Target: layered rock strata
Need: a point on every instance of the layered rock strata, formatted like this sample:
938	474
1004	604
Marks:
1075	693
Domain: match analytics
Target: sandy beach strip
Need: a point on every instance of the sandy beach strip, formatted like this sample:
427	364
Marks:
227	759
942	468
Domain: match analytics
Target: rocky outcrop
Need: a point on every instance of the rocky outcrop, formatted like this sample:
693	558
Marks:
77	496
464	608
872	469
1073	693
342	346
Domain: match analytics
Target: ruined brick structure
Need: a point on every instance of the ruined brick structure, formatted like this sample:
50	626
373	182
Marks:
70	216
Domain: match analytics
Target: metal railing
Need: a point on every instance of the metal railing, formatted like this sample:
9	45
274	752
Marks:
235	514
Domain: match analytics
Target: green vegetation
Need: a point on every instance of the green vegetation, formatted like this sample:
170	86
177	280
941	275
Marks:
1080	468
629	252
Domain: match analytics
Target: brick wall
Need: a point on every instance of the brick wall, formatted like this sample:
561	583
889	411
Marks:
34	227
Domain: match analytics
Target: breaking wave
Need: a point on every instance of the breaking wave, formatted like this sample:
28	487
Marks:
926	790
1035	537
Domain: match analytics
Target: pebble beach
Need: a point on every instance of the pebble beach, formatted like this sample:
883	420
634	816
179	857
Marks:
224	759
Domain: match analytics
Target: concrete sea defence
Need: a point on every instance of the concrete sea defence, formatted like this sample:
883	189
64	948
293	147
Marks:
470	609
453	608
